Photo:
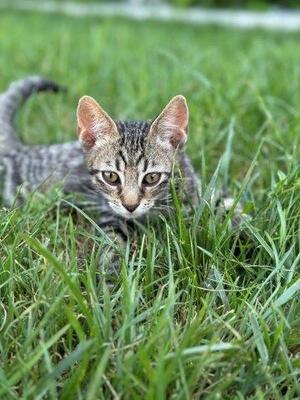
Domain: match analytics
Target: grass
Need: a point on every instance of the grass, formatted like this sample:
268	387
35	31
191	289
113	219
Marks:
200	310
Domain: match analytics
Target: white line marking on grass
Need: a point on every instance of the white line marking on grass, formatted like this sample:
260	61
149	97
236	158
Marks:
273	19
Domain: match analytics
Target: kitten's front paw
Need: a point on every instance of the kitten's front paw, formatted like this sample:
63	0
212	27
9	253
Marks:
109	264
223	204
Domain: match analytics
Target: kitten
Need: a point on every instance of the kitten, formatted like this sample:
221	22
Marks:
125	167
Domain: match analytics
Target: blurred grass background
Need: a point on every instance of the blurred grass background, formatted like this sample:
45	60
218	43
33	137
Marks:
196	313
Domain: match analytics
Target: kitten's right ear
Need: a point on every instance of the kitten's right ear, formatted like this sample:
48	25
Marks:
94	124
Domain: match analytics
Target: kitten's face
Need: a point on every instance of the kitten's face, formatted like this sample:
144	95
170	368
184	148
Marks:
131	162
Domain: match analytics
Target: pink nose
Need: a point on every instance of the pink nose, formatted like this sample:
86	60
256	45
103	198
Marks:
130	207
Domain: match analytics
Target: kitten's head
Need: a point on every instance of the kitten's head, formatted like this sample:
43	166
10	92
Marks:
131	162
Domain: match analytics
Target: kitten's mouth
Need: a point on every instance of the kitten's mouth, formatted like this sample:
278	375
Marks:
123	212
138	212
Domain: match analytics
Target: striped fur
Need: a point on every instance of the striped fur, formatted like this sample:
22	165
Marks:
27	168
133	151
130	149
10	101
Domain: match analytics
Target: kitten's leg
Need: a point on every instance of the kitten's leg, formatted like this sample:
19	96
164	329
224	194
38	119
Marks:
222	204
113	228
11	180
116	231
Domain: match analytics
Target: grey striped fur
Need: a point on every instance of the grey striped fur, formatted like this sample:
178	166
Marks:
27	168
132	153
11	100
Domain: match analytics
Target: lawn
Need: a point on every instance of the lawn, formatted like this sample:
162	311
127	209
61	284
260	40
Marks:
200	310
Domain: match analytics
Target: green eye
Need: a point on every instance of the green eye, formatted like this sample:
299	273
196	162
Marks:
151	179
111	177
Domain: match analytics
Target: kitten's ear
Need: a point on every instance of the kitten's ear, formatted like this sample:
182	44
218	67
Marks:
171	125
94	124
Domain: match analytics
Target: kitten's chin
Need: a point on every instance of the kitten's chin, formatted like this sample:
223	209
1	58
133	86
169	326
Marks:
131	215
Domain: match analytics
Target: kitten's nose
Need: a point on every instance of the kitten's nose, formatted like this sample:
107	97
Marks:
130	207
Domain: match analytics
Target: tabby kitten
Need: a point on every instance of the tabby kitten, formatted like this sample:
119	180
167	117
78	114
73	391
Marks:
124	167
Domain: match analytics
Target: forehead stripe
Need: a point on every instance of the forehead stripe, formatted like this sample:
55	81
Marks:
118	164
146	163
139	159
123	157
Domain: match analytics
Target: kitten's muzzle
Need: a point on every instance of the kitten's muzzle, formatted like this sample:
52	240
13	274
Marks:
131	207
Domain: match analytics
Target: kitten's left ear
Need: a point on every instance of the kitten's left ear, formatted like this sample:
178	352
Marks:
171	125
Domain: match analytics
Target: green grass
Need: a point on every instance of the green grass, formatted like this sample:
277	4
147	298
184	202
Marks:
200	310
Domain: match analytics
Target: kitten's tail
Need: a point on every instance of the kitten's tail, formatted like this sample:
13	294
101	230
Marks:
11	100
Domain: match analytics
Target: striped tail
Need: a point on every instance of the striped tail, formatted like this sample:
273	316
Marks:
11	100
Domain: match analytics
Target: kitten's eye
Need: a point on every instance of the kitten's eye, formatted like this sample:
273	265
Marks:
151	179
111	177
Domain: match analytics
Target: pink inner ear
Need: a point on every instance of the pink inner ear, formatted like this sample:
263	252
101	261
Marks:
85	130
87	137
181	117
177	137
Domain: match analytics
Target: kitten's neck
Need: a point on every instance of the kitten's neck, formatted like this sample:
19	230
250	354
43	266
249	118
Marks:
191	181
